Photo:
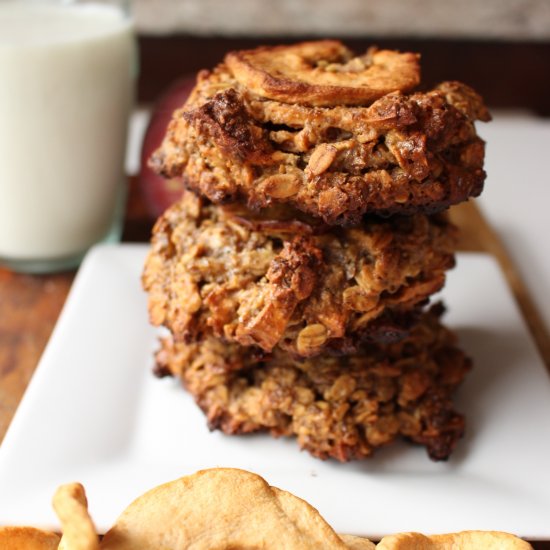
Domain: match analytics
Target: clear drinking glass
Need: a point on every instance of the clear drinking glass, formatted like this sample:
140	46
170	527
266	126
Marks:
67	79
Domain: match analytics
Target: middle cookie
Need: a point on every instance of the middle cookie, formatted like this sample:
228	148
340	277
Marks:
267	279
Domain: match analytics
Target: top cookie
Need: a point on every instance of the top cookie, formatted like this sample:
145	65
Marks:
332	135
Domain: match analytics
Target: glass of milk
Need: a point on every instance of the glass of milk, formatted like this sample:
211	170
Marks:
67	74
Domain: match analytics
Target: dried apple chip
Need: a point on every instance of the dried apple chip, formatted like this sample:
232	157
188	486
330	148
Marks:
71	507
220	509
323	73
465	540
27	538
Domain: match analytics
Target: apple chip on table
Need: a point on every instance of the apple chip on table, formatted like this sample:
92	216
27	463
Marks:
222	509
28	538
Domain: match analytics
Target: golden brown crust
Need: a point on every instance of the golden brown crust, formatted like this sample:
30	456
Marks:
402	153
290	283
323	73
342	407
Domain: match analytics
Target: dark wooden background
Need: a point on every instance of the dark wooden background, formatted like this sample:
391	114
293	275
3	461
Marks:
513	75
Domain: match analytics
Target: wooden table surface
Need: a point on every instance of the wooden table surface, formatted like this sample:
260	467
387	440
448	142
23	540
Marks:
30	304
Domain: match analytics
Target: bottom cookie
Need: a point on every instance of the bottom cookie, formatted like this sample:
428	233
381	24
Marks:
341	407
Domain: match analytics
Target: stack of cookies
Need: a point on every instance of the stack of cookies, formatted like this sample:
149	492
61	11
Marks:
294	273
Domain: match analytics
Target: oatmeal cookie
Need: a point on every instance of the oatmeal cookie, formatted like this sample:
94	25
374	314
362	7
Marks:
399	152
288	282
340	407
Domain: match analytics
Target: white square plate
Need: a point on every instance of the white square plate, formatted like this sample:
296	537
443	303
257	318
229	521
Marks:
94	413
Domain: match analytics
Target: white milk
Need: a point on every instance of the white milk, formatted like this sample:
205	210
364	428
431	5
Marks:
66	86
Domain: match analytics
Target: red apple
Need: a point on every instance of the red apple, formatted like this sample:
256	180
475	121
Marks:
160	193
